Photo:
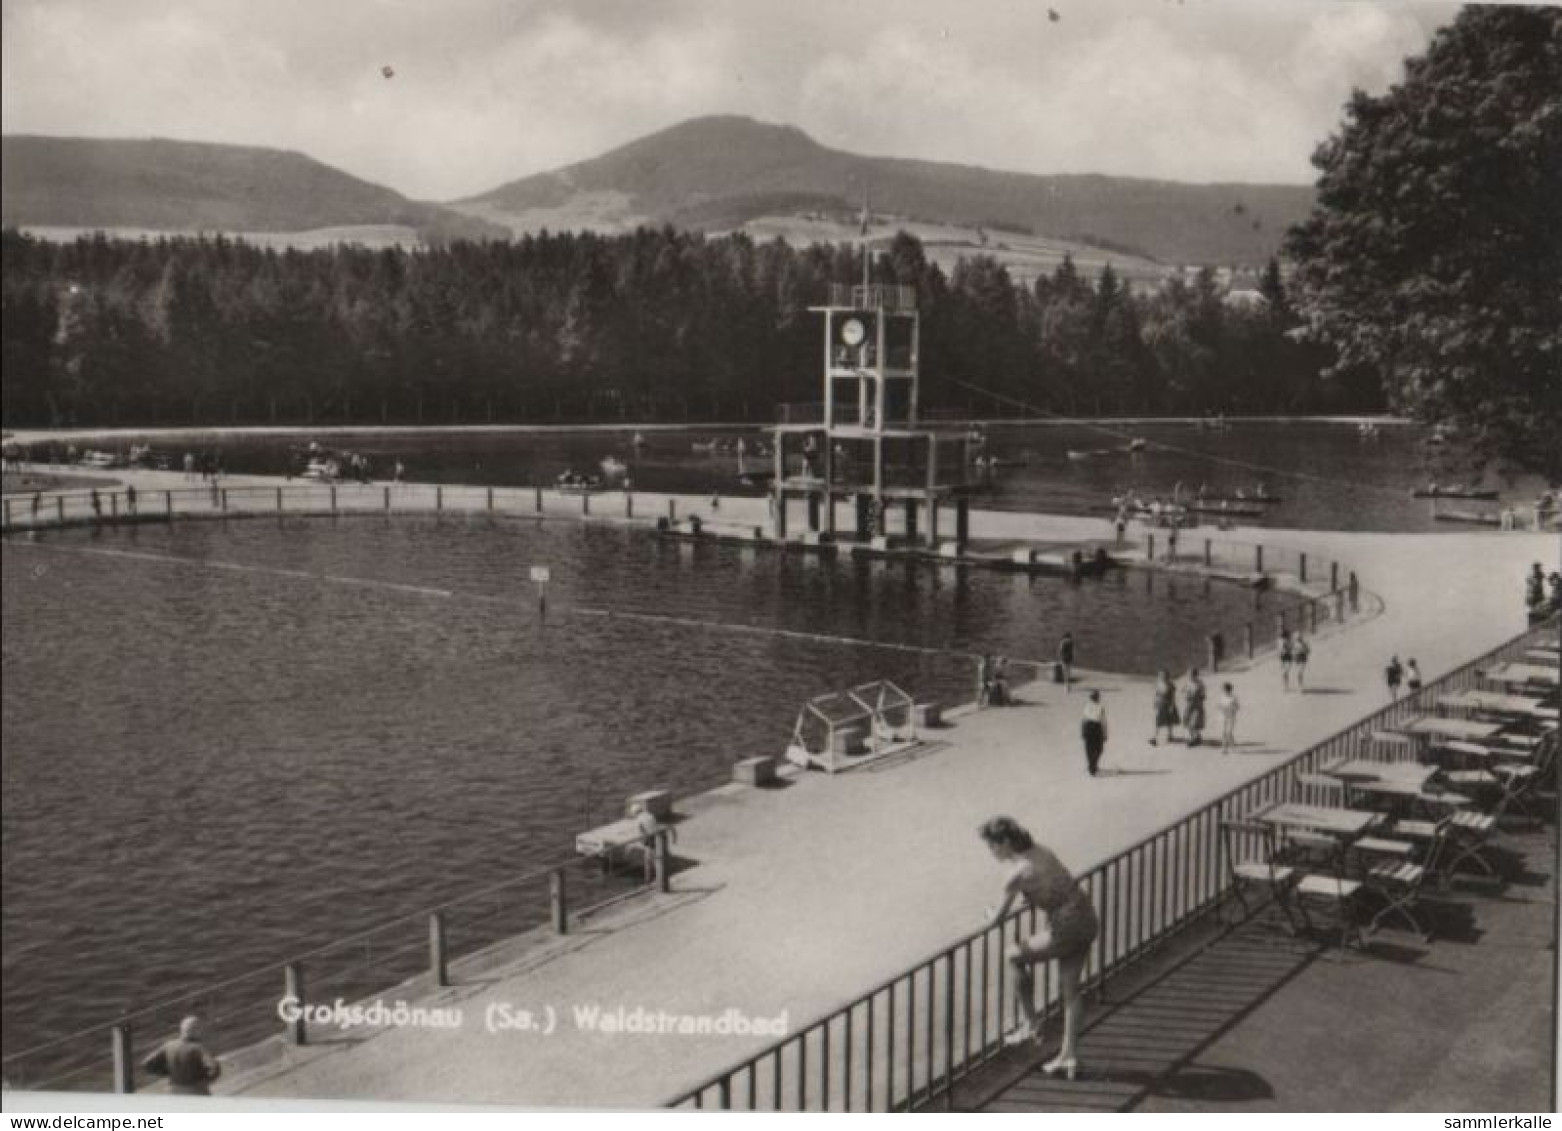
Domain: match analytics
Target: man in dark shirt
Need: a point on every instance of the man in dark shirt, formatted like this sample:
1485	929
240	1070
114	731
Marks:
190	1069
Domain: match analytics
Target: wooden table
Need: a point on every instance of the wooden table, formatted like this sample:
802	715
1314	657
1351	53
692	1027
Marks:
1522	673
1466	729
1359	772
1345	823
1496	703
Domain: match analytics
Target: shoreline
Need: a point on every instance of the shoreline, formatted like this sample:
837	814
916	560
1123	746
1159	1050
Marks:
32	435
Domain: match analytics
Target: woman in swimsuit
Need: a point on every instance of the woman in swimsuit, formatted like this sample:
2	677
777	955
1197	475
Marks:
1070	927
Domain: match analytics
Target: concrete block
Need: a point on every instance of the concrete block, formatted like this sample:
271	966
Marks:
755	771
928	715
657	802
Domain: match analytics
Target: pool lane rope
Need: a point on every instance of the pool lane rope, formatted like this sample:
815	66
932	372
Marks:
579	610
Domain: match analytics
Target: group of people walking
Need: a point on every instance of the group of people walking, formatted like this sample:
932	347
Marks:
1407	674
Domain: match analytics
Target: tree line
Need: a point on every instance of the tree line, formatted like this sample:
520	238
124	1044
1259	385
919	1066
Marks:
654	325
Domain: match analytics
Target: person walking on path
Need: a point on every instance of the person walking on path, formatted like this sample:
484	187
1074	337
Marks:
1193	708
1071	926
1092	728
1066	660
1165	701
1301	652
984	679
1412	677
189	1068
1393	674
1287	658
1228	707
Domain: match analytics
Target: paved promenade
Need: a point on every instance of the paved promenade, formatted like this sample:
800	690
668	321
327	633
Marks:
799	898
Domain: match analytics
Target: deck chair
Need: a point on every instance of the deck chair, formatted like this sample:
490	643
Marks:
1326	889
1398	882
1250	849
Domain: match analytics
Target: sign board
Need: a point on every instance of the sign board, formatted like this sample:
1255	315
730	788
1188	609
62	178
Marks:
540	574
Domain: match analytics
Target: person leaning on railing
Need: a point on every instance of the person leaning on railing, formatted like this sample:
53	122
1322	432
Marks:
1071	926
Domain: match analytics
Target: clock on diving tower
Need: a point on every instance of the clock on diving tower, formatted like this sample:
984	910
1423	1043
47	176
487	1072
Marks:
862	450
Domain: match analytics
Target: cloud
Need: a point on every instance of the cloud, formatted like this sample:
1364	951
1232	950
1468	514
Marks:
488	90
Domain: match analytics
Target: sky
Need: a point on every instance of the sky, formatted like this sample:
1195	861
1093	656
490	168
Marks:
480	92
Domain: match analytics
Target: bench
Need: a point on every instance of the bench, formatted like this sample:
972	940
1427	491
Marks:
611	842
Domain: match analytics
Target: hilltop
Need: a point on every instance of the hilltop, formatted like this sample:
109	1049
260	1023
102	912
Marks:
158	185
726	172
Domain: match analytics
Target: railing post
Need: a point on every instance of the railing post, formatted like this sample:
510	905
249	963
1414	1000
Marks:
1280	625
439	497
293	990
1247	638
1209	553
539	500
1302	567
279	500
585	503
59	508
1312	616
168	505
8	512
1355	593
1339	605
1334	576
1258	558
949	1031
672	510
556	897
333	500
490	500
1149	547
629	504
113	506
124	1064
223	500
664	859
386	490
437	964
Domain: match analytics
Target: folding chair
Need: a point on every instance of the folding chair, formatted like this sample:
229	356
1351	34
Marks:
1251	849
1327	888
1398	881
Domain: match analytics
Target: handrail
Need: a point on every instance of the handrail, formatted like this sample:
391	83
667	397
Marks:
1115	930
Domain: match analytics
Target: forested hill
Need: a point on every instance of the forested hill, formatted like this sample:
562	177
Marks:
719	172
182	186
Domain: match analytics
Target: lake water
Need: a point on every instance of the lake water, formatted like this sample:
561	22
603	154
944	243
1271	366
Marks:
1327	476
226	743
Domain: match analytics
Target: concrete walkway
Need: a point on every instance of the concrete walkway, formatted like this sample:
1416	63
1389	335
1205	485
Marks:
800	898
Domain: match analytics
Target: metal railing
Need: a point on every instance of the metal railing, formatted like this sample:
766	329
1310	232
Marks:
410	955
127	505
874	296
909	1040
